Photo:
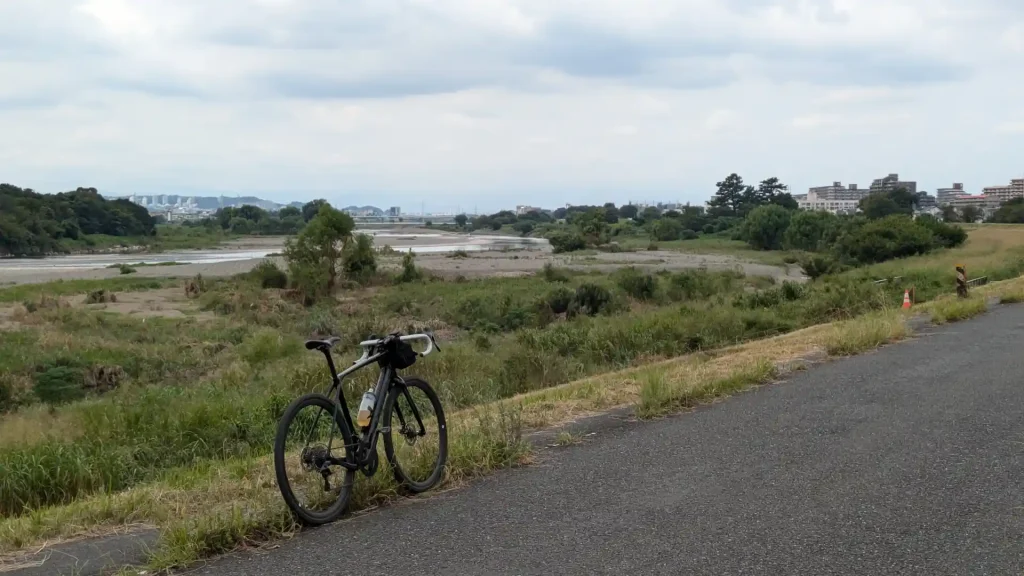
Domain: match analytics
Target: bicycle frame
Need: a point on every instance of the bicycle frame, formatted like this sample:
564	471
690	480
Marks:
367	443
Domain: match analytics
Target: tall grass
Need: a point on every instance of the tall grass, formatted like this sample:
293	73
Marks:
213	389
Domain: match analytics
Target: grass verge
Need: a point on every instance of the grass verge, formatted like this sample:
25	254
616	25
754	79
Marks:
953	310
218	506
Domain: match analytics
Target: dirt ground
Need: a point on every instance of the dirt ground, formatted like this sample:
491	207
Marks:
477	264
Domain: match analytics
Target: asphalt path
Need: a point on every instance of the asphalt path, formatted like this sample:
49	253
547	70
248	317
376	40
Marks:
902	461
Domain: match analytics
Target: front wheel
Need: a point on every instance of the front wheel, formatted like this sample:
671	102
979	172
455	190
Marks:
415	435
311	434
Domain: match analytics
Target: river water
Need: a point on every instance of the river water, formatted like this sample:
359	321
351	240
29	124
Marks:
418	243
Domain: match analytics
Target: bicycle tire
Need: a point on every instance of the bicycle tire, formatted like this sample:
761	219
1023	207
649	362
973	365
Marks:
389	447
303	515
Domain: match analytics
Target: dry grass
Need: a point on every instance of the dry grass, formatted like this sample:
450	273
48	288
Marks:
219	506
865	333
956	309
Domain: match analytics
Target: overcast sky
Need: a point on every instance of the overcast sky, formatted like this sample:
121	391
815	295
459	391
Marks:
493	103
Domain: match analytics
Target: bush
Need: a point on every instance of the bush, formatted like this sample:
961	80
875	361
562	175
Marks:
884	239
815	266
410	273
946	235
100	297
765	226
811	230
688	234
562	242
552	274
591	299
701	284
359	258
268	275
637	285
559	299
653	246
126	269
666	229
60	384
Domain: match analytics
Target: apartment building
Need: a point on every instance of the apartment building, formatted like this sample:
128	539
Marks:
837	199
892	182
522	209
945	195
986	204
1003	193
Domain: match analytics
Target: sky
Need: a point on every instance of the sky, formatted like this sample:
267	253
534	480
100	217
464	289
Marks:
488	104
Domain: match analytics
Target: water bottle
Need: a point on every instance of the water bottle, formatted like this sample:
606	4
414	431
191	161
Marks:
366	409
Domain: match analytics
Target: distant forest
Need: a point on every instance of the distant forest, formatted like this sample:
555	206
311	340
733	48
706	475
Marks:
33	224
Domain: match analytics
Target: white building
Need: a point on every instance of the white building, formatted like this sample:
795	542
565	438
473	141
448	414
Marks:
837	199
1003	193
986	204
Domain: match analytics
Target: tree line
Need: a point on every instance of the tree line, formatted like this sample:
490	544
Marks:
34	224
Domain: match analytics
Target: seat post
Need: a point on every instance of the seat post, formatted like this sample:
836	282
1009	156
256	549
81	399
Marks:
330	364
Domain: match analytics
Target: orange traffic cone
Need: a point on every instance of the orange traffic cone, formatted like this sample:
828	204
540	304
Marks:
906	299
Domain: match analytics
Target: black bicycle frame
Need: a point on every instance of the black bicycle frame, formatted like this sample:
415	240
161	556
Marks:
367	444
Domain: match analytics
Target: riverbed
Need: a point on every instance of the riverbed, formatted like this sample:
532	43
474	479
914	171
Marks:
485	255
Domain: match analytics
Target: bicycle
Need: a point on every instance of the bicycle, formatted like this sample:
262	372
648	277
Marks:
392	353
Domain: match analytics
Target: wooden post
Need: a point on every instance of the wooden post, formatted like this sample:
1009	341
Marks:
961	280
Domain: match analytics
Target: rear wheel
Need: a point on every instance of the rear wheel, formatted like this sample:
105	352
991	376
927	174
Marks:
311	431
416	435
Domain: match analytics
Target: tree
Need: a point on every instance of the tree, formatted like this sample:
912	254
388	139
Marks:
730	197
628	211
765	227
611	213
666	229
879	205
650	214
592	225
947	235
1011	212
970	214
524	227
288	212
767	192
311	209
949	214
314	254
895	236
360	261
786	200
811	230
461	220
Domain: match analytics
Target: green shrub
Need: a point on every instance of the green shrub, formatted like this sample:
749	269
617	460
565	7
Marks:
268	275
126	269
60	384
884	239
359	258
559	299
553	274
410	273
701	284
562	242
666	229
765	226
482	342
815	266
688	234
591	299
636	284
946	235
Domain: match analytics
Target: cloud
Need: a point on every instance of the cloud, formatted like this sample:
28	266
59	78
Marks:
514	101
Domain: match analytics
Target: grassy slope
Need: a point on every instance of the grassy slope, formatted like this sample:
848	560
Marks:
198	505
